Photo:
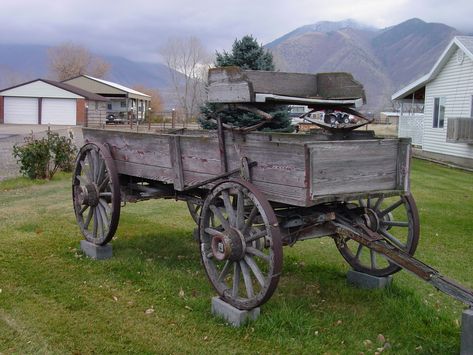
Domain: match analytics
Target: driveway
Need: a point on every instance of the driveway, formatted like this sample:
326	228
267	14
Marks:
15	134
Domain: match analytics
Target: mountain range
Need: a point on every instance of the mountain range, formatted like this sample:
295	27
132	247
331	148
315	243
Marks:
383	60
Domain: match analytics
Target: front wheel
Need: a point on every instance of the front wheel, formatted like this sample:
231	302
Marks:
240	244
395	219
96	194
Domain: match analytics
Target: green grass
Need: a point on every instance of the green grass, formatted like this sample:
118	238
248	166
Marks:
55	300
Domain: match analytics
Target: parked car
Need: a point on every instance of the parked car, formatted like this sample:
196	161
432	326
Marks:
114	118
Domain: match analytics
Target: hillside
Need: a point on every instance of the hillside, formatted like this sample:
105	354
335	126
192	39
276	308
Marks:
383	60
25	62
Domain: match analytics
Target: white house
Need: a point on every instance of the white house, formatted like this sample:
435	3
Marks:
44	101
437	109
124	102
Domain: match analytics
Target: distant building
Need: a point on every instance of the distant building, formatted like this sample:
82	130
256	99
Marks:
123	101
44	101
444	125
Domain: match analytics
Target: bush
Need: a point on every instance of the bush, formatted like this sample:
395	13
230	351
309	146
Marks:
41	158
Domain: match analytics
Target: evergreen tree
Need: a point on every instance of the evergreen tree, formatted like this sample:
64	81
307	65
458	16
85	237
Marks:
247	54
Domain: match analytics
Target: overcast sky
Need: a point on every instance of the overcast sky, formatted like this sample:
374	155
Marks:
136	29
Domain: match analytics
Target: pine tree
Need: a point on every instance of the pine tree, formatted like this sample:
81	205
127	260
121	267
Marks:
248	54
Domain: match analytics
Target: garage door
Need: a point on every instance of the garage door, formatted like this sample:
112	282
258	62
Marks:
21	110
58	111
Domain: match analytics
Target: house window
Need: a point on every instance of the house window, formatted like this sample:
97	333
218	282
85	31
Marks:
439	111
109	106
122	104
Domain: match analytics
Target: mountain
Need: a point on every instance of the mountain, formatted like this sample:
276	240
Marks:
383	60
25	62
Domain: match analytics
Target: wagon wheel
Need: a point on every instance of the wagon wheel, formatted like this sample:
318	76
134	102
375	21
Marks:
96	194
394	218
240	244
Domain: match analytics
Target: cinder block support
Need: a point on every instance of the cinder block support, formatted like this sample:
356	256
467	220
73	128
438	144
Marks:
362	280
467	333
236	317
96	252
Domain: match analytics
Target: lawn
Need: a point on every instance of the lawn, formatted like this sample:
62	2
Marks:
153	295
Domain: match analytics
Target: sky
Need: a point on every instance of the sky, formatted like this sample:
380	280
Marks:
138	29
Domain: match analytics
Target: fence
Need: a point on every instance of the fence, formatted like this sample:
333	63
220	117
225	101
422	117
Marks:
412	126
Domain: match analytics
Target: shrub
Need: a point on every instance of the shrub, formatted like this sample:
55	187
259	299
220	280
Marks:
41	158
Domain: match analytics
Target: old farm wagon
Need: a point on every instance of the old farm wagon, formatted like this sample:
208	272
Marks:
251	193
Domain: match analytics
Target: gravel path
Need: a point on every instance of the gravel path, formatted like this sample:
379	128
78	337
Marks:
15	134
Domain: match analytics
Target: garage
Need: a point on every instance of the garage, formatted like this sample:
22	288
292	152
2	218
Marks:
21	110
58	111
48	102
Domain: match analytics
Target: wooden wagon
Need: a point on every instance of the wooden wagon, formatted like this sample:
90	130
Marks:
250	193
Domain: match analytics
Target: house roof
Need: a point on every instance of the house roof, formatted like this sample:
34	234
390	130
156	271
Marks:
116	86
85	94
465	43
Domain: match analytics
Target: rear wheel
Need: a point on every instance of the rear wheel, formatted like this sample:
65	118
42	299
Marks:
394	218
96	194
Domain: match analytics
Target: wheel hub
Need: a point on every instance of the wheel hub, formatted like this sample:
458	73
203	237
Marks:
228	246
88	195
371	220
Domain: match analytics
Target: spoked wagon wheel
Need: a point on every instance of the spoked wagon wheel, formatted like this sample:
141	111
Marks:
395	219
240	244
96	194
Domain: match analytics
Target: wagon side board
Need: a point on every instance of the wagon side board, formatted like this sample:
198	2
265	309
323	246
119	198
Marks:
291	172
343	169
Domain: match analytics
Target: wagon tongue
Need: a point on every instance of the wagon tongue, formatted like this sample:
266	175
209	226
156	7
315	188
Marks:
372	240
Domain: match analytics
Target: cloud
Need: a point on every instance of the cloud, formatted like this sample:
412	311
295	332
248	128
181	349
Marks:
138	29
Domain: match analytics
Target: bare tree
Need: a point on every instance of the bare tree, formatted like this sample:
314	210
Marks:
156	104
69	60
187	60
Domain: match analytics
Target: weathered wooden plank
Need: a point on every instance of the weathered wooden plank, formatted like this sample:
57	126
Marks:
233	85
353	166
145	171
176	161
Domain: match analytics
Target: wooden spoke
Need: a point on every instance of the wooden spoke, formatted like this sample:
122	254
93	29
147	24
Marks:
249	221
256	236
373	259
391	208
236	280
105	206
105	194
225	270
104	183
395	224
256	271
392	239
89	217
212	231
378	203
358	252
220	217
229	208
83	209
240	210
247	279
258	253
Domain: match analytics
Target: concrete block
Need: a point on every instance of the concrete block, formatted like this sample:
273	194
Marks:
94	251
362	280
236	317
467	333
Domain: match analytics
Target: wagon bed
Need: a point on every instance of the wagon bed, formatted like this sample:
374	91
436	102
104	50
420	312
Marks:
292	169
